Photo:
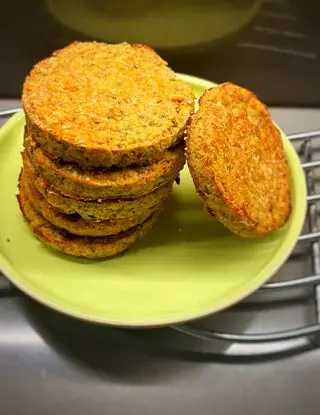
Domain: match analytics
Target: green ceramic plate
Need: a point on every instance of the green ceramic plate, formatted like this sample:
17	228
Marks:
187	267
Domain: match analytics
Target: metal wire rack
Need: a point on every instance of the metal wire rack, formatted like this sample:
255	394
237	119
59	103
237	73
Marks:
303	142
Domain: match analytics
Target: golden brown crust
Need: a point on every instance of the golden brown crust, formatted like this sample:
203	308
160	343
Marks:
237	162
74	181
80	246
101	209
75	224
105	105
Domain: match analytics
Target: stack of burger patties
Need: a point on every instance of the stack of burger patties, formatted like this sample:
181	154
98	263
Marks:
104	144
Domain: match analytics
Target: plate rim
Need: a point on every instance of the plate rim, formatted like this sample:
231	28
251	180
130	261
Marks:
8	270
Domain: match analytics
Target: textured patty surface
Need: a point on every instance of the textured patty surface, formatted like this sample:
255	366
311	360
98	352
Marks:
237	162
80	246
102	105
74	181
74	224
102	209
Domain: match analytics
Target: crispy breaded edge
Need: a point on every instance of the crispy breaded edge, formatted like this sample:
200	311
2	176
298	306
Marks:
80	246
138	181
94	157
99	209
78	225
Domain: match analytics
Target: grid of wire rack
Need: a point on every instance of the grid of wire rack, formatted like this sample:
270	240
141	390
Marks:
303	143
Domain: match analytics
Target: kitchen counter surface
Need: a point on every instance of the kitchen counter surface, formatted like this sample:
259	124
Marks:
51	364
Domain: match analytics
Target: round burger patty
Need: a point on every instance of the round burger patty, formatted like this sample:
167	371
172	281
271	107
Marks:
75	224
236	158
101	209
74	181
104	105
80	246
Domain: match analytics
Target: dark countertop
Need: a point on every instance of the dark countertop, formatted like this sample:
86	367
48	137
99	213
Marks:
51	364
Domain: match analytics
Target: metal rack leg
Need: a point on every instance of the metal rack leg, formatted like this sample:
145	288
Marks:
313	224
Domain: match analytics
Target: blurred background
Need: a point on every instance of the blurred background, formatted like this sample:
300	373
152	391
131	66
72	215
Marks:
269	46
